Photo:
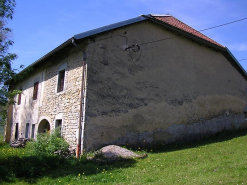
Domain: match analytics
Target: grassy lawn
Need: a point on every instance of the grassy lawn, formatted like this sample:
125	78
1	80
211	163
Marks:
218	160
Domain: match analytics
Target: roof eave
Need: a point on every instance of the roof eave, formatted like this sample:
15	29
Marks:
236	62
109	27
40	60
63	45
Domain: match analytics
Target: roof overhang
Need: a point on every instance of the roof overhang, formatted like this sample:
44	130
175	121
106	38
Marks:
109	27
227	53
42	59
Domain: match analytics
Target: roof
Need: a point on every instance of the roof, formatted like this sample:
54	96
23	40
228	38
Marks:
109	27
180	25
167	21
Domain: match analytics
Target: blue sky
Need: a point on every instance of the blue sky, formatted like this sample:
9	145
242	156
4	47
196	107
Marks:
40	26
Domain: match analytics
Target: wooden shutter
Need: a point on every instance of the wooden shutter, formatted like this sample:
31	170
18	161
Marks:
35	90
61	77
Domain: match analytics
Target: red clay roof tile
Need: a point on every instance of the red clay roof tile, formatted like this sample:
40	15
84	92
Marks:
182	26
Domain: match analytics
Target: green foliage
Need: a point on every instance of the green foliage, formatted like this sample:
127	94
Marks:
6	99
1	140
6	12
21	163
7	73
217	160
6	70
49	144
7	8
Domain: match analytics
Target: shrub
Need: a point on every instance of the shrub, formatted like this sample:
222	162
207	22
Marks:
49	144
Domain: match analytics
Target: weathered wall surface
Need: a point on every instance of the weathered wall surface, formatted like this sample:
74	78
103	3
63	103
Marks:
66	104
51	105
168	90
27	111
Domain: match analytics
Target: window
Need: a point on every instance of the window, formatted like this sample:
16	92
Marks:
19	99
33	129
59	124
16	131
35	90
60	84
27	131
245	115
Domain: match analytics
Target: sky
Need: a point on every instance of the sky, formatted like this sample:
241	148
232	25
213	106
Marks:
39	26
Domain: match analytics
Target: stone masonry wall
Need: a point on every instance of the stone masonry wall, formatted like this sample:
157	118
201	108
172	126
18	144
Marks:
66	104
51	105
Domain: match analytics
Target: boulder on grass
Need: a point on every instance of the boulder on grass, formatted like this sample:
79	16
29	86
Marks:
111	153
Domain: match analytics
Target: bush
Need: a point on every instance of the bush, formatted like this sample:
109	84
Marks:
49	144
2	143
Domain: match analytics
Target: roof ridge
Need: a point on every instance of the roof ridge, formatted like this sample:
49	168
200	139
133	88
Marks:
160	15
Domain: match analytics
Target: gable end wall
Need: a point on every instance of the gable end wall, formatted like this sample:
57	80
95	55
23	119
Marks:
170	90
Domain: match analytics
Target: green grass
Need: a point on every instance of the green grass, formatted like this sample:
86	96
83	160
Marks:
218	160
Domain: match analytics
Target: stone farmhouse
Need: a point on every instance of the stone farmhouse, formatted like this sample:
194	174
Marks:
148	80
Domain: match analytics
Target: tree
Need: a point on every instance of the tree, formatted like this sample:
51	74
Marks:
6	71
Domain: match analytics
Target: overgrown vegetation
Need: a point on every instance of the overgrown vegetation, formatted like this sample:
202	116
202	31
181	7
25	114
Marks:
47	152
49	144
218	160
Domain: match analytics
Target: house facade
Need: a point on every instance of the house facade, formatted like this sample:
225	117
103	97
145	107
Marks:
144	81
49	99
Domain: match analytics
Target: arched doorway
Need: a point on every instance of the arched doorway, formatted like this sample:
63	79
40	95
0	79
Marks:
44	126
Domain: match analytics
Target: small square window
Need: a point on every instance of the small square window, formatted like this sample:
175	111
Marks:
60	84
35	90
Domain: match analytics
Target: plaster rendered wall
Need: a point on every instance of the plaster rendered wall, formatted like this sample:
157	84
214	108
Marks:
51	105
169	90
27	111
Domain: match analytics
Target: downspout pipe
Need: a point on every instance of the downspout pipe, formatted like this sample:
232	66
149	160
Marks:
80	131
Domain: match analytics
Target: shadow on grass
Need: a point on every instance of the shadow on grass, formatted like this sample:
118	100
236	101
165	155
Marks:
219	137
31	168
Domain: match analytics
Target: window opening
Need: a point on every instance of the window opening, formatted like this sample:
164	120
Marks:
27	131
19	98
35	90
16	131
60	84
59	125
33	129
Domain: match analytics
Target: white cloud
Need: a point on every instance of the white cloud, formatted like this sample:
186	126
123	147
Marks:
238	47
